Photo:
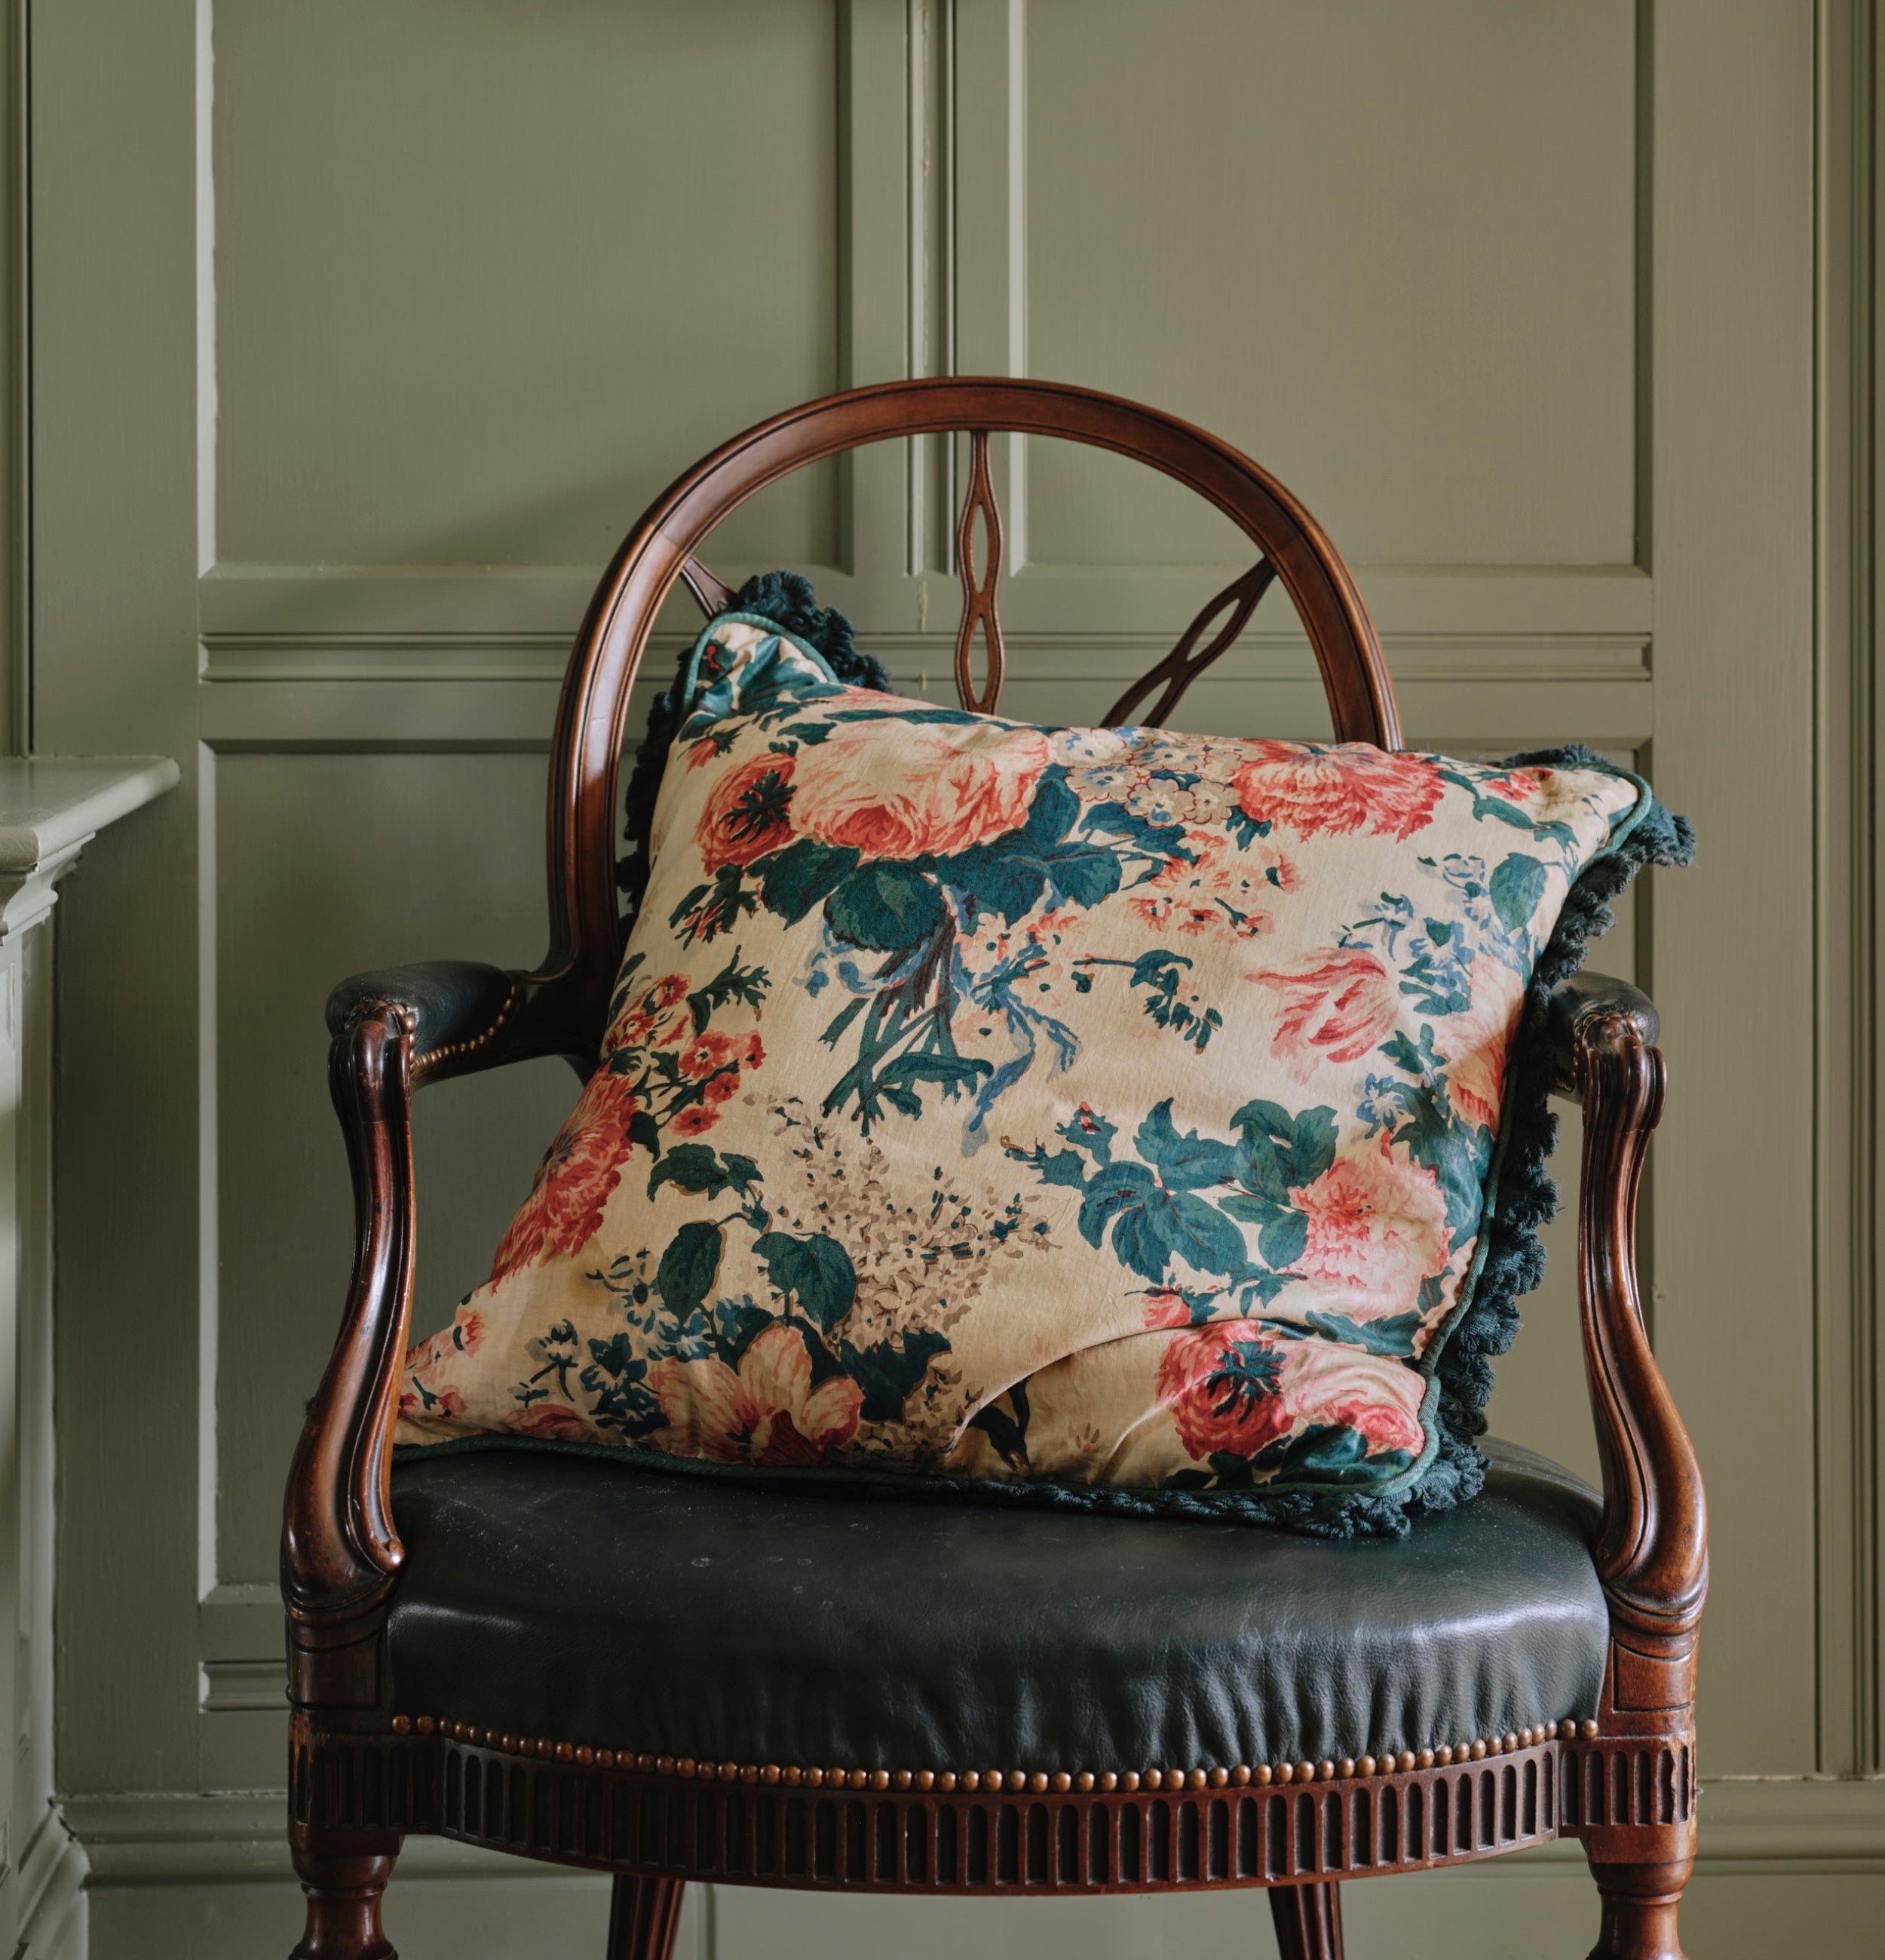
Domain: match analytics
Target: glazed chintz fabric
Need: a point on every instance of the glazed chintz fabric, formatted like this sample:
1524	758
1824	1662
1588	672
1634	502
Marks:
1110	1113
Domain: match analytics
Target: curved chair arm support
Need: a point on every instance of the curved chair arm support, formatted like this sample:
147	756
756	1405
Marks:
1652	1548
339	1550
395	1029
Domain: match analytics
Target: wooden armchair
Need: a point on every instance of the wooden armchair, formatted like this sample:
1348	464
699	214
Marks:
517	1650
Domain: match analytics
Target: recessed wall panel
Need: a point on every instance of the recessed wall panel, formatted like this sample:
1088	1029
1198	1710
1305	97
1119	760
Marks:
487	276
1387	249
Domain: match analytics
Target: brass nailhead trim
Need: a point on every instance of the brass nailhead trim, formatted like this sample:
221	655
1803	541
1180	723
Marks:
811	1776
404	1015
472	1043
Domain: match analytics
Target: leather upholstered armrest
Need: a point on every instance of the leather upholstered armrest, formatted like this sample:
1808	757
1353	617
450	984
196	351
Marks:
1582	1003
452	1009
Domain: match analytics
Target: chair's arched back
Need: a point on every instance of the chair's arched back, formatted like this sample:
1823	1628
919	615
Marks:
569	993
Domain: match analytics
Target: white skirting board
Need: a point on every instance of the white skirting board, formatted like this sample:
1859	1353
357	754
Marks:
207	1878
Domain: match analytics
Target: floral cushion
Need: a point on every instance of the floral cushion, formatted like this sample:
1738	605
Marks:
1113	1116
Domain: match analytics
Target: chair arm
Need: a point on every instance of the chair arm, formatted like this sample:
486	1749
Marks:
339	1550
1652	1553
394	1029
455	1010
1581	1001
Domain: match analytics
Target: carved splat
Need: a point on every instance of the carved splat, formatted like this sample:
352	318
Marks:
1180	667
978	596
711	592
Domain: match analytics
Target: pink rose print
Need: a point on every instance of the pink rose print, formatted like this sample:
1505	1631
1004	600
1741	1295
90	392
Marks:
765	1412
1164	1308
564	1209
954	786
1220	1384
1518	786
556	1420
1232	1389
1377	1229
1339	1005
1314	791
1323	1382
1476	1045
747	813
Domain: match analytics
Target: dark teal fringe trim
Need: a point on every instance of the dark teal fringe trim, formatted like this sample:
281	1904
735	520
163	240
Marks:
1526	1197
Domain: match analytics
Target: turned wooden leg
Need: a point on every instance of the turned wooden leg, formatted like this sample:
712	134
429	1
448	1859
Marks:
1308	1922
1639	1910
643	1917
344	1873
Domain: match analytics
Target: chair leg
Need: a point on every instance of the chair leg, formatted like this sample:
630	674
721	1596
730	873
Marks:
642	1917
1639	1910
1309	1921
344	1874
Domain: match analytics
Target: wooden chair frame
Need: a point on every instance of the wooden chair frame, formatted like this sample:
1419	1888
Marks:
362	1777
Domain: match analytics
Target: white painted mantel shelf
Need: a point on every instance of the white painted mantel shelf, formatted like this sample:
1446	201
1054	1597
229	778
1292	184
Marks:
51	808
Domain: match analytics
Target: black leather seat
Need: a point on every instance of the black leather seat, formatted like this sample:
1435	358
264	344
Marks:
686	1617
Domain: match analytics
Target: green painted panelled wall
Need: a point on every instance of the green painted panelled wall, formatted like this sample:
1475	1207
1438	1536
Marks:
348	340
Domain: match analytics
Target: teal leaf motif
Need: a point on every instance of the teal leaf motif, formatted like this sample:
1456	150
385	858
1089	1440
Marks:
1283	1153
1151	1226
792	881
814	1271
887	1372
1395	1335
885	907
1190	1163
696	1167
686	1274
1329	1453
1517	886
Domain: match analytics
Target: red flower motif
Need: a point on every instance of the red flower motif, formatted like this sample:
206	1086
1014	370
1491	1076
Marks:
1164	1308
747	813
1232	1391
1324	1382
938	788
564	1209
1377	1229
1343	1003
1220	1384
704	1054
1348	788
645	1019
692	1120
766	1411
1518	785
447	1406
555	1420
